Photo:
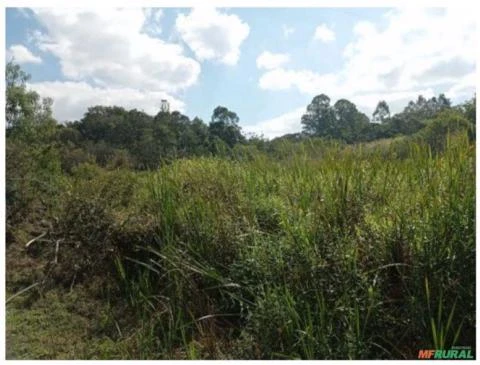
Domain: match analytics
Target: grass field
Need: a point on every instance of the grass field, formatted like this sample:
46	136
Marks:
326	252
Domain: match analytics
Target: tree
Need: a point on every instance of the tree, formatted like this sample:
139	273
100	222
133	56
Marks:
340	121
443	102
414	115
27	115
382	112
18	99
469	110
197	138
437	130
349	122
99	122
224	125
319	118
424	109
223	115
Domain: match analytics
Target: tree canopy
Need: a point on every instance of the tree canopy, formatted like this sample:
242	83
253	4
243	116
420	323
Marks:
224	125
25	110
340	121
114	135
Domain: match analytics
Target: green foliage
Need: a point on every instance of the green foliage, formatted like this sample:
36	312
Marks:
349	122
413	117
382	112
224	125
344	122
323	255
319	119
341	121
33	179
147	142
18	102
469	110
321	252
424	108
28	117
438	130
300	247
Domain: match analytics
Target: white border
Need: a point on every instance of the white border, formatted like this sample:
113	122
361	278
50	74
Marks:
240	3
205	3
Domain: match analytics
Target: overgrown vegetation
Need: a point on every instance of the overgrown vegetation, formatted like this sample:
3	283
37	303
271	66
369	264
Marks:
301	247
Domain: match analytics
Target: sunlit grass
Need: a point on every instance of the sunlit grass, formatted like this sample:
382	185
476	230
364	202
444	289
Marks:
312	256
321	251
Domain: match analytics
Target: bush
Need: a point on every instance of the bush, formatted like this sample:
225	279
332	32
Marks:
446	124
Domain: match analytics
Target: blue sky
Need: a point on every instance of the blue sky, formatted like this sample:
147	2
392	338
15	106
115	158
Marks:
264	64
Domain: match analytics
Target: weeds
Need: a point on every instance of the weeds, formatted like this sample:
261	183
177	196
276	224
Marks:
320	252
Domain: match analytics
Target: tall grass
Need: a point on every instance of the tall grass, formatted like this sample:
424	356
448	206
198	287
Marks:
328	251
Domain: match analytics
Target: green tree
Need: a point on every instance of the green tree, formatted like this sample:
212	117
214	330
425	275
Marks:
224	125
99	122
469	110
349	122
194	138
340	121
19	101
413	117
319	119
424	109
448	122
27	115
382	112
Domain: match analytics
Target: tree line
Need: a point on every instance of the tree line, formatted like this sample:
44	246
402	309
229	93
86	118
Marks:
112	135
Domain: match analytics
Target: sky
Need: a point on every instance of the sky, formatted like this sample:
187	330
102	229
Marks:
264	64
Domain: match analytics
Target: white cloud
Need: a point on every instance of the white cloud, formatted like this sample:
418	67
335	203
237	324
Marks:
110	47
21	54
463	89
152	23
287	31
212	35
269	60
305	81
418	51
72	99
324	33
24	12
278	126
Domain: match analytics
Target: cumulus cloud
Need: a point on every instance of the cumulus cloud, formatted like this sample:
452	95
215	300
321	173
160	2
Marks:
72	99
21	55
305	81
417	49
448	70
213	35
152	23
278	126
417	52
323	33
269	60
463	88
110	47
